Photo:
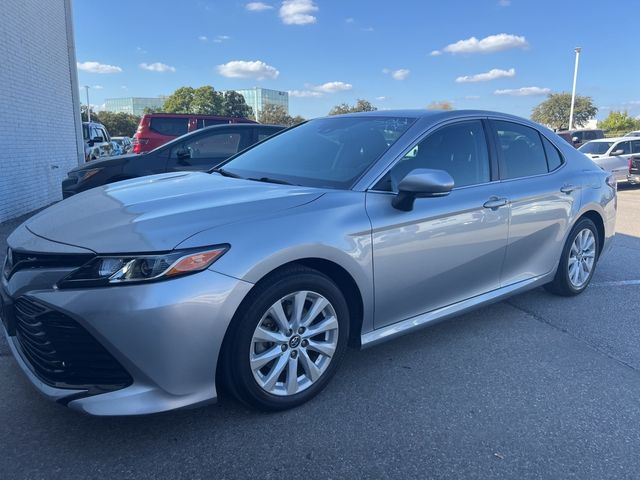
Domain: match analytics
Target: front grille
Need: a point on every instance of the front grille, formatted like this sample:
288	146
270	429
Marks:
22	260
62	353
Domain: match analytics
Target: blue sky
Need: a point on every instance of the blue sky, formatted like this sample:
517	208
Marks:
400	54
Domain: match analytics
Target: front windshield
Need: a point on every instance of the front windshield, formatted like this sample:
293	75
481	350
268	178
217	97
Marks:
327	152
595	148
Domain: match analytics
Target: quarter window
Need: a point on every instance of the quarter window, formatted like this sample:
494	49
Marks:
460	149
521	150
635	146
554	159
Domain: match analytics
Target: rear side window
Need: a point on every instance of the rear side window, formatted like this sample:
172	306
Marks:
635	146
169	126
590	135
554	159
521	150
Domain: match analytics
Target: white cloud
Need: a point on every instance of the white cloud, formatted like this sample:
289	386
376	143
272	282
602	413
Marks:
258	6
504	3
367	29
492	74
247	69
124	87
97	87
96	67
490	44
472	97
203	38
381	98
157	67
350	20
304	93
298	12
320	90
221	38
435	53
399	74
333	87
523	92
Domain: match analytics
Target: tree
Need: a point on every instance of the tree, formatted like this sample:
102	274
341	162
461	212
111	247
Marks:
554	111
120	124
206	101
234	105
619	122
83	114
360	106
179	101
277	115
440	105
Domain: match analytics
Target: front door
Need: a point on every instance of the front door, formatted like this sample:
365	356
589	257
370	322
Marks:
447	249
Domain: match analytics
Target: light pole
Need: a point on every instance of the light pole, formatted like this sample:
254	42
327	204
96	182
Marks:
573	93
86	87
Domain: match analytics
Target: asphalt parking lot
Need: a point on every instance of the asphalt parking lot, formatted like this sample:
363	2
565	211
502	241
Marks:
534	387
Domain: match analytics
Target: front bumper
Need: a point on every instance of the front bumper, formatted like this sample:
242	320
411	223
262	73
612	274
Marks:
166	335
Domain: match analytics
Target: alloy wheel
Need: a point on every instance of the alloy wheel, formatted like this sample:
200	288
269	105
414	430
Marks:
294	343
582	257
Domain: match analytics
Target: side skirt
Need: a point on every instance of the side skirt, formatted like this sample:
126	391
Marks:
435	316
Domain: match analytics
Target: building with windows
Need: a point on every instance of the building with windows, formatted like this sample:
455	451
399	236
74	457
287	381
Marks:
134	105
40	126
257	98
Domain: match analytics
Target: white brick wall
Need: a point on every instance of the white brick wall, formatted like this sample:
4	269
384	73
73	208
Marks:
39	124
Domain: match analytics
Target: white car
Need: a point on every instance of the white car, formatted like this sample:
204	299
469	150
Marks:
635	133
613	154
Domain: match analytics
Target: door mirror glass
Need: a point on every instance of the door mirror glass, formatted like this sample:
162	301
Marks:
615	153
575	139
422	182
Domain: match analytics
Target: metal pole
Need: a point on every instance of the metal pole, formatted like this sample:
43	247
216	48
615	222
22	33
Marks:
86	87
573	93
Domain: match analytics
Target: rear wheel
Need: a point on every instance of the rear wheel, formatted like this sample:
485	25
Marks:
578	261
287	340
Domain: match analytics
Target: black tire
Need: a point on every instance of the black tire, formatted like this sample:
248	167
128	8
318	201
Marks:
236	371
561	285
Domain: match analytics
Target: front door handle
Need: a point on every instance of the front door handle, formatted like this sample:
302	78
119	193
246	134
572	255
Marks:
495	202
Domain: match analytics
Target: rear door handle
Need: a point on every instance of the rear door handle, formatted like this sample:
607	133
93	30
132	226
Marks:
567	188
495	202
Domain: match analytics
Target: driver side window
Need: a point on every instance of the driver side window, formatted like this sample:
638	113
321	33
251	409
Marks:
459	149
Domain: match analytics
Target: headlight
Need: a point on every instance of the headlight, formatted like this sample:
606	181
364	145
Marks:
115	270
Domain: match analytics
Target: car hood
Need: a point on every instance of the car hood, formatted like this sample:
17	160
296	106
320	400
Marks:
158	212
105	162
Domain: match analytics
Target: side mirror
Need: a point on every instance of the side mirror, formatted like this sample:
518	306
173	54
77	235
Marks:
420	183
615	153
575	139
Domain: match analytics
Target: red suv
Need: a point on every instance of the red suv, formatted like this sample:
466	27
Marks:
156	129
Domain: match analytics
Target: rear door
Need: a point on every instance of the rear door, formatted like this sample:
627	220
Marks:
209	149
543	198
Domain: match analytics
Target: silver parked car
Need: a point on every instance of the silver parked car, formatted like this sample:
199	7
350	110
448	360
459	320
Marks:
145	295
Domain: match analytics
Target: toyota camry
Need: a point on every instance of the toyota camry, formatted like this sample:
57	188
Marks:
150	294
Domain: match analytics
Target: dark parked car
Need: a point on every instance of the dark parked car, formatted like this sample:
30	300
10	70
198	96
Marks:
199	150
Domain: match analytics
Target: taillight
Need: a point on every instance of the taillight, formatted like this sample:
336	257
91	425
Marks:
611	181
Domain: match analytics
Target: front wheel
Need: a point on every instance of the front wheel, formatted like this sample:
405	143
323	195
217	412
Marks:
287	340
578	261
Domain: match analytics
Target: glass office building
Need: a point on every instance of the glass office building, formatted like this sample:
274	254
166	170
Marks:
134	105
257	98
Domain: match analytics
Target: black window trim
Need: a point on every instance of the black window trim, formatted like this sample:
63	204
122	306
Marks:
491	150
499	153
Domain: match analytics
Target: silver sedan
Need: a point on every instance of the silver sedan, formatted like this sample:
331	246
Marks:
146	295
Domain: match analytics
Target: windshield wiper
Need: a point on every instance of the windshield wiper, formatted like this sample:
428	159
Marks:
224	173
271	180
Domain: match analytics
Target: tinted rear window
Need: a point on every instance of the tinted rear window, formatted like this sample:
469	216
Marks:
170	126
